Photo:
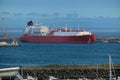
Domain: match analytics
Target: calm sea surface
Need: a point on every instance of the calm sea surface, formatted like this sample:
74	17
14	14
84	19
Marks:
30	54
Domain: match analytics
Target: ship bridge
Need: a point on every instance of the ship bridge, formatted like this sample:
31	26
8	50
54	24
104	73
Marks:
36	29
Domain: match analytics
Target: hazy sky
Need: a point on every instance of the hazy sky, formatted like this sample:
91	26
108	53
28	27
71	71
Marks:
79	8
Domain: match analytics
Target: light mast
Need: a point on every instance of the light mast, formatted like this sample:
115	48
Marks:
3	28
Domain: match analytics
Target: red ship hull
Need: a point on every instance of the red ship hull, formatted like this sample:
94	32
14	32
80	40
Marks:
59	39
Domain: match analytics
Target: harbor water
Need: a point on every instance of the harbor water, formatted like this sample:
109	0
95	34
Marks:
37	54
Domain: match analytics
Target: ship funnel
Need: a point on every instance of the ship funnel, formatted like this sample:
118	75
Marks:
30	23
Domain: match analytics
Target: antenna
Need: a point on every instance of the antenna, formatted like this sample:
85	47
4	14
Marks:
78	26
54	26
3	27
66	27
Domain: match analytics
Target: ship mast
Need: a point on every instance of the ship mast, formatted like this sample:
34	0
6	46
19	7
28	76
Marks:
78	27
3	28
110	72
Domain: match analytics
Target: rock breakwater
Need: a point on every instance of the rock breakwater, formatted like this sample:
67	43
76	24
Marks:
71	71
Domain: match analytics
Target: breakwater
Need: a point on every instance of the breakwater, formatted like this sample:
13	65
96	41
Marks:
108	40
71	71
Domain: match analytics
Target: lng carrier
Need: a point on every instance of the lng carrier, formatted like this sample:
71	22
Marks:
42	34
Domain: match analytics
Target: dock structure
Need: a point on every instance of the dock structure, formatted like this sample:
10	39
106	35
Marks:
13	73
9	38
108	40
8	72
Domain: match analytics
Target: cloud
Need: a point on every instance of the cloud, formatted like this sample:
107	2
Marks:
38	15
72	15
18	14
56	14
4	13
33	14
44	15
